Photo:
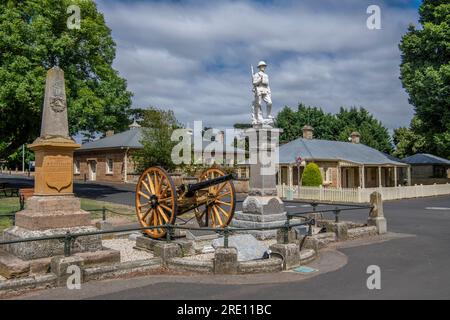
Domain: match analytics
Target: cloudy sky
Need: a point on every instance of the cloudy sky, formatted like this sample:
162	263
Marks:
194	57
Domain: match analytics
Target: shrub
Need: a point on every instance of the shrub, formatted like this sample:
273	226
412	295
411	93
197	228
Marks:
311	176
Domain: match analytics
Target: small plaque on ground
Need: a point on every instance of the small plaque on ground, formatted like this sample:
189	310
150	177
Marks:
304	269
301	230
248	247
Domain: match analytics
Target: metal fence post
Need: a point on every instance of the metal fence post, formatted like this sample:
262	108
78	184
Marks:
22	201
168	233
225	236
286	230
312	222
336	215
67	243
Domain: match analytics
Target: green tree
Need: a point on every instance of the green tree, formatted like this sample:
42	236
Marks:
311	176
33	38
425	74
14	160
372	131
334	127
407	141
292	122
157	128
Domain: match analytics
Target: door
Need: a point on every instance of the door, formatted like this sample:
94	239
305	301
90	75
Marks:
92	170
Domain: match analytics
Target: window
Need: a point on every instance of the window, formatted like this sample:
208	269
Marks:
439	172
328	174
109	165
76	166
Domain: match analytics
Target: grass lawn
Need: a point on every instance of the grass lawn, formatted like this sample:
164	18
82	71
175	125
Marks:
7	206
127	213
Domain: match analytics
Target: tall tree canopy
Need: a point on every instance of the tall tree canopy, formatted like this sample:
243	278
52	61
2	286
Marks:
292	123
158	126
334	127
34	37
372	131
407	141
425	74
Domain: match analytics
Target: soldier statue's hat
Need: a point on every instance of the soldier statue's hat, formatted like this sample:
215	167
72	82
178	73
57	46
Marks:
262	63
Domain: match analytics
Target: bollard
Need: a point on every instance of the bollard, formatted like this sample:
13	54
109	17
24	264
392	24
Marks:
103	213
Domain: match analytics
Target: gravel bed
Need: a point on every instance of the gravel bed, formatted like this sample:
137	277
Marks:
127	253
269	242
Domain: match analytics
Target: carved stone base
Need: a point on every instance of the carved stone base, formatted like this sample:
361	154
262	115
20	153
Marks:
49	248
51	212
260	212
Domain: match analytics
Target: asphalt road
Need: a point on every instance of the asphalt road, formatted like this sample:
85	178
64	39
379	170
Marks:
112	192
415	267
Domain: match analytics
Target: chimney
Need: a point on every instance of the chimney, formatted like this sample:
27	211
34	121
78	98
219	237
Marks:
134	125
109	133
355	136
308	132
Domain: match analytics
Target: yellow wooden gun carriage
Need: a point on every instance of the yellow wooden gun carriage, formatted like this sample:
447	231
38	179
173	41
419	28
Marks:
159	201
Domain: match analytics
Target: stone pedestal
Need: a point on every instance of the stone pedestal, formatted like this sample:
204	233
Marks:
53	210
376	216
49	248
262	208
225	261
290	253
49	216
264	212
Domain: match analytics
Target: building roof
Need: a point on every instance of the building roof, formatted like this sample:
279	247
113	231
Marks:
128	139
425	158
316	149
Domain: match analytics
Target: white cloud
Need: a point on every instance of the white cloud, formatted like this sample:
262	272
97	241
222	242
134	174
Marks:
194	57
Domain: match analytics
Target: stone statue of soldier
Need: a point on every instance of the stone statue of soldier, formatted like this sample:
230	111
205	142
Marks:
262	93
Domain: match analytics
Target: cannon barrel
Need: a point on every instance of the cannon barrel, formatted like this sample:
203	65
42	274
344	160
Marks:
190	188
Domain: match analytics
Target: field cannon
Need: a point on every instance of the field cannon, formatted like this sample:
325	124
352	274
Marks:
159	201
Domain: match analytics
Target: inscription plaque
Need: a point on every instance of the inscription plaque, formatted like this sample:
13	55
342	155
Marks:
58	172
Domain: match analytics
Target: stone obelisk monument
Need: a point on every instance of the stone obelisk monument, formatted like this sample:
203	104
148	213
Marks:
262	207
53	209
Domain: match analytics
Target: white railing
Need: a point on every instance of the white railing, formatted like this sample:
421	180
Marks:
361	194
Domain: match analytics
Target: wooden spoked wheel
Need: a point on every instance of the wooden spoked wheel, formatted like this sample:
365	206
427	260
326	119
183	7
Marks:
156	200
219	210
